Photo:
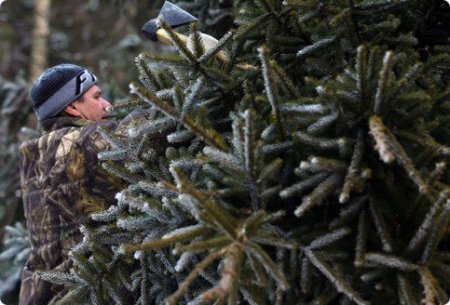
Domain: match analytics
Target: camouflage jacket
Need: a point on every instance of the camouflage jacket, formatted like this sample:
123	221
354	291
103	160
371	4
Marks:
62	182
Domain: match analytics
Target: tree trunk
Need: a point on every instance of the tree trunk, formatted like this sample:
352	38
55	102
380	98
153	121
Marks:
41	32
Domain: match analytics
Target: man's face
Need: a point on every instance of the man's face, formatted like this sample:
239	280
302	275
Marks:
91	106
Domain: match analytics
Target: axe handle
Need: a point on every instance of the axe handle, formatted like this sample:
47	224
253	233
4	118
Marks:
164	37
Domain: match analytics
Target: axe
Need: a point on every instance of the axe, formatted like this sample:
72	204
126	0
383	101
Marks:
175	17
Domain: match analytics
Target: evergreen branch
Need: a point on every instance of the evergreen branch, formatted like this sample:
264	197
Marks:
93	296
183	261
329	238
146	74
353	169
203	245
303	185
74	297
152	128
324	122
252	225
276	148
378	131
362	70
428	222
184	286
320	193
155	189
382	229
361	239
385	260
383	5
217	48
166	241
275	242
113	155
303	108
153	100
270	171
172	59
238	138
180	136
429	286
131	103
197	41
315	47
249	144
271	89
180	45
285	80
112	293
209	135
405	291
321	143
372	276
306	276
61	278
427	141
321	164
408	78
267	5
271	267
226	222
196	230
227	287
259	271
216	76
336	279
113	139
404	160
250	157
145	283
384	81
224	159
257	23
191	98
253	295
440	229
348	213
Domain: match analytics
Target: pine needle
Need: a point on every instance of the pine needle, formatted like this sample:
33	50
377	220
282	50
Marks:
336	279
184	286
320	193
353	169
378	131
381	227
361	239
392	261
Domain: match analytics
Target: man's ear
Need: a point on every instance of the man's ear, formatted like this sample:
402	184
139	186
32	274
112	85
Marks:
72	110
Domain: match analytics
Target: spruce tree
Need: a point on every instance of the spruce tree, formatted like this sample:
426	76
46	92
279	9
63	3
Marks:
301	160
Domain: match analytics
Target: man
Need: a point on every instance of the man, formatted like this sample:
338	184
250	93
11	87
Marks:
62	181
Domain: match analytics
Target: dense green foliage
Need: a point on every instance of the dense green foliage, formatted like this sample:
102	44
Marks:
310	166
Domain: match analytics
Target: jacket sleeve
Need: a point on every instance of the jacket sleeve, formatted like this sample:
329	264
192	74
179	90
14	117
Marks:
100	187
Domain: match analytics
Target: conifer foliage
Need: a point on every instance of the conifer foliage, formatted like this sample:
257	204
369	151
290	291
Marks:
307	164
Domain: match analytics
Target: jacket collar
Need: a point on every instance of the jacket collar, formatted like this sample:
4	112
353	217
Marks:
59	122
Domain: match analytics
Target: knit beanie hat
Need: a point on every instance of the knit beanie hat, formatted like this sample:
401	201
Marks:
57	87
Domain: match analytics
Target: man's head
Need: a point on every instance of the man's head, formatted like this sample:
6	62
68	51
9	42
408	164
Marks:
70	89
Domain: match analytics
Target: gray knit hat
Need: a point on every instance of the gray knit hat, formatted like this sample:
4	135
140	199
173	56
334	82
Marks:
57	87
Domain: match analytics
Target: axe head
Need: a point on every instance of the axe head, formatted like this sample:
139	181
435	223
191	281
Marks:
172	15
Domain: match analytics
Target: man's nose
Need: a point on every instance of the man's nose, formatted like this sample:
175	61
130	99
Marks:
106	103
